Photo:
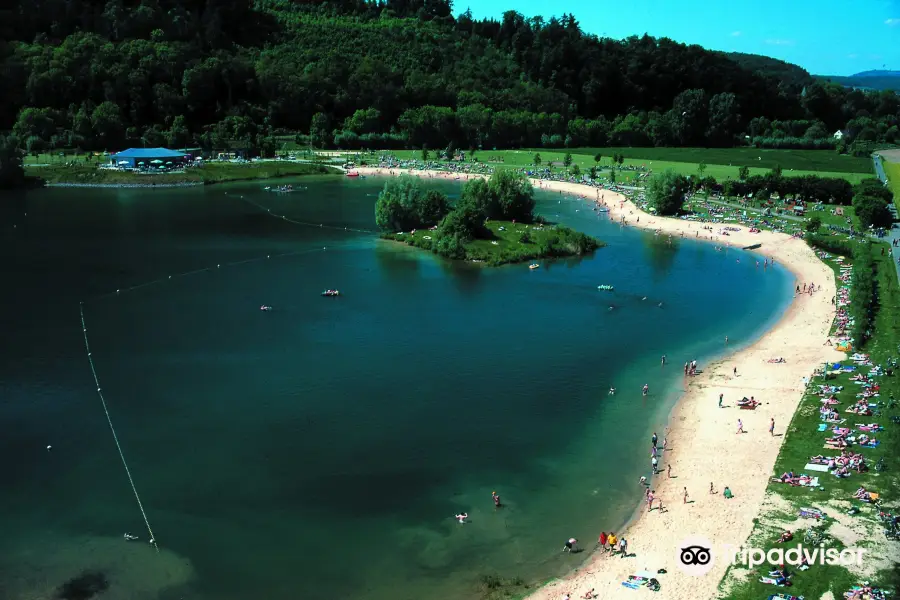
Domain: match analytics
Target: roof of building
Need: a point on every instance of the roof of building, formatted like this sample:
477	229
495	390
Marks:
149	153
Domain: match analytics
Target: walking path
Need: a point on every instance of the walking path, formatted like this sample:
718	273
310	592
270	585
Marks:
893	233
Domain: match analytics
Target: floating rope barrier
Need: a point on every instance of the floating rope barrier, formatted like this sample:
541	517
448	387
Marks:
158	281
137	496
306	223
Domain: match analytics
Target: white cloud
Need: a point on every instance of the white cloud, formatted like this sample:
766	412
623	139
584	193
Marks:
735	34
892	22
780	42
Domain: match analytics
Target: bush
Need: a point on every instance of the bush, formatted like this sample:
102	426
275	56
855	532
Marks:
830	244
814	224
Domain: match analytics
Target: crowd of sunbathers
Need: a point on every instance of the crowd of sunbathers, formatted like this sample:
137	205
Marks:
842	465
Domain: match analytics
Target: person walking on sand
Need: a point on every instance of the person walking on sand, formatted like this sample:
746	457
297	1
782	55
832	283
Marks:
720	399
654	439
669	470
601	541
649	500
611	540
772	426
735	371
665	443
685	500
623	547
740	426
712	490
655	464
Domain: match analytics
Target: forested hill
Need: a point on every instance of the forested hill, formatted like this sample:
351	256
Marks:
107	74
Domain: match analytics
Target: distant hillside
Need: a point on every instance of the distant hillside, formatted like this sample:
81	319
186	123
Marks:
867	80
789	73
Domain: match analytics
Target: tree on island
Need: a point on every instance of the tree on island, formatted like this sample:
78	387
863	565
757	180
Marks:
666	192
402	205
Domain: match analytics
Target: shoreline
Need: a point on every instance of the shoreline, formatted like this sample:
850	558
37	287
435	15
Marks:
704	446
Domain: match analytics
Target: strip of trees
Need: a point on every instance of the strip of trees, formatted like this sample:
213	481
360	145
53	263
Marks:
871	203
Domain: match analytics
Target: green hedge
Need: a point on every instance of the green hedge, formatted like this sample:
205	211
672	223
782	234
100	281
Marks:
829	243
863	294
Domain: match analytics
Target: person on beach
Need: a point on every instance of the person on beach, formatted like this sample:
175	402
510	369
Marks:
570	545
643	480
726	493
665	443
685	500
712	489
735	371
623	547
652	451
654	439
601	541
669	470
740	426
686	367
611	541
655	464
772	426
589	595
720	399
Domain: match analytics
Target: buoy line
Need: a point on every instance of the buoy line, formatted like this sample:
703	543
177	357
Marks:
306	223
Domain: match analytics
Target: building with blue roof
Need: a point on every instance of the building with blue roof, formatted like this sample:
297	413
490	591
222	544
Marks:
148	157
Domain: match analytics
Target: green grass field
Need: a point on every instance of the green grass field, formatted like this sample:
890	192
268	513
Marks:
679	160
798	160
802	441
59	173
892	170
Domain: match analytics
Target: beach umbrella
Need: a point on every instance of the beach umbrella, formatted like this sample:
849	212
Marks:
140	162
168	162
156	162
123	162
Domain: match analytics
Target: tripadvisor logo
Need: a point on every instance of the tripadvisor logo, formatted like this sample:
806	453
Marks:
696	555
795	556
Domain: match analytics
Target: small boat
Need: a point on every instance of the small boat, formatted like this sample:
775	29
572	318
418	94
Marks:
353	174
605	288
331	293
130	538
534	266
265	308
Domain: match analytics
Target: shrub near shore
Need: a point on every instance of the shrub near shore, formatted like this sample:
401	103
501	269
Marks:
493	222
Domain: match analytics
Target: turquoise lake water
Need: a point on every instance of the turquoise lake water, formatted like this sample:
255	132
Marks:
322	449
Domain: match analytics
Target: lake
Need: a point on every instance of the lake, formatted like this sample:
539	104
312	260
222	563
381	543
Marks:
323	447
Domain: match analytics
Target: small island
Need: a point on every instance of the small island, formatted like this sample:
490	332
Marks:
493	222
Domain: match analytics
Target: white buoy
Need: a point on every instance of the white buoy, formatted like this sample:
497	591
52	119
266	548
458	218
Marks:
48	448
117	291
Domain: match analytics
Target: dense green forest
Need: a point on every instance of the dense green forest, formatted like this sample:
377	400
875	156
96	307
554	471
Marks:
108	74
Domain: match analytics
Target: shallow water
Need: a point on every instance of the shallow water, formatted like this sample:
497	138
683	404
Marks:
323	447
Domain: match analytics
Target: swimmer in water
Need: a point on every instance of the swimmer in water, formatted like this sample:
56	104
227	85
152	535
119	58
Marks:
612	391
645	390
461	518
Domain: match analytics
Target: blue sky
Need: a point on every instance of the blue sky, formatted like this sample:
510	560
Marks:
825	37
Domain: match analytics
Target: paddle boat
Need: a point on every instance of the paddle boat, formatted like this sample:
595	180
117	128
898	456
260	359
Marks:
265	308
534	266
605	288
130	538
331	293
353	174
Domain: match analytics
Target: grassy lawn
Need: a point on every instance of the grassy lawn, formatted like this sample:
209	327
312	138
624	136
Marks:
892	170
507	244
803	440
210	173
798	160
679	160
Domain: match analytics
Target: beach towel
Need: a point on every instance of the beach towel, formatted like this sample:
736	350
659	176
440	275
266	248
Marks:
631	585
823	426
812	513
814	482
815	467
770	580
784	597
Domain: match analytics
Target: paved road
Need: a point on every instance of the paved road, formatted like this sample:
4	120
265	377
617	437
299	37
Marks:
894	233
879	168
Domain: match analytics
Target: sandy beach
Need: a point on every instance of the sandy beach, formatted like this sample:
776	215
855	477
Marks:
703	444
